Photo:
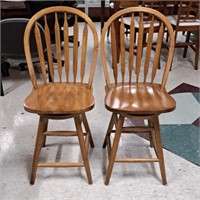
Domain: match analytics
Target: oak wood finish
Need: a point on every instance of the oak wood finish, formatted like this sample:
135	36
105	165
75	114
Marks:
187	21
135	88
69	94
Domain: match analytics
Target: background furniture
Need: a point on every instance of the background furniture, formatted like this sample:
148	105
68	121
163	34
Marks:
102	13
161	6
165	7
12	48
157	5
11	9
115	5
192	39
35	6
118	5
69	95
134	90
187	21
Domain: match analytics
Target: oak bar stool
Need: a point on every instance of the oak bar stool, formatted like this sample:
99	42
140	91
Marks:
134	87
69	94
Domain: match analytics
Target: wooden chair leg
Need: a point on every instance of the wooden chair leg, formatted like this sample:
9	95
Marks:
186	47
2	92
196	57
114	149
150	133
195	47
87	129
159	149
45	129
38	146
83	148
110	128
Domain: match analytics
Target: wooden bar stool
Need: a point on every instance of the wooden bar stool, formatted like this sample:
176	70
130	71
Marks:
133	89
69	94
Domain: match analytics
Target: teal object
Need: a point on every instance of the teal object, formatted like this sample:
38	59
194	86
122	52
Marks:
183	140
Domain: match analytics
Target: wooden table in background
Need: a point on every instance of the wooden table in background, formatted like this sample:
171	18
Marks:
13	9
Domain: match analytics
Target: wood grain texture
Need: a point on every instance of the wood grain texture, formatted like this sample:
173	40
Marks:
139	99
60	98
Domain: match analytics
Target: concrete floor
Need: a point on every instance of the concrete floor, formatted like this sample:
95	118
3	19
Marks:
128	181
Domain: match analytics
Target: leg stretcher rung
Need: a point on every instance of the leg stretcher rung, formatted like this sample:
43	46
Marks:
61	164
136	160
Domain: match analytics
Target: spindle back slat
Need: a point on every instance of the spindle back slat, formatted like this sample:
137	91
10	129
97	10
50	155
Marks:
40	52
49	50
149	47
114	52
58	46
139	46
122	48
131	47
157	52
75	49
84	51
66	49
63	60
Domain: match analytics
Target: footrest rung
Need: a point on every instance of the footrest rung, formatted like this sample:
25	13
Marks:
60	133
63	164
138	160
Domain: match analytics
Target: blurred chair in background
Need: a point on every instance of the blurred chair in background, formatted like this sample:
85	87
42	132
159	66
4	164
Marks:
35	6
187	21
12	48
